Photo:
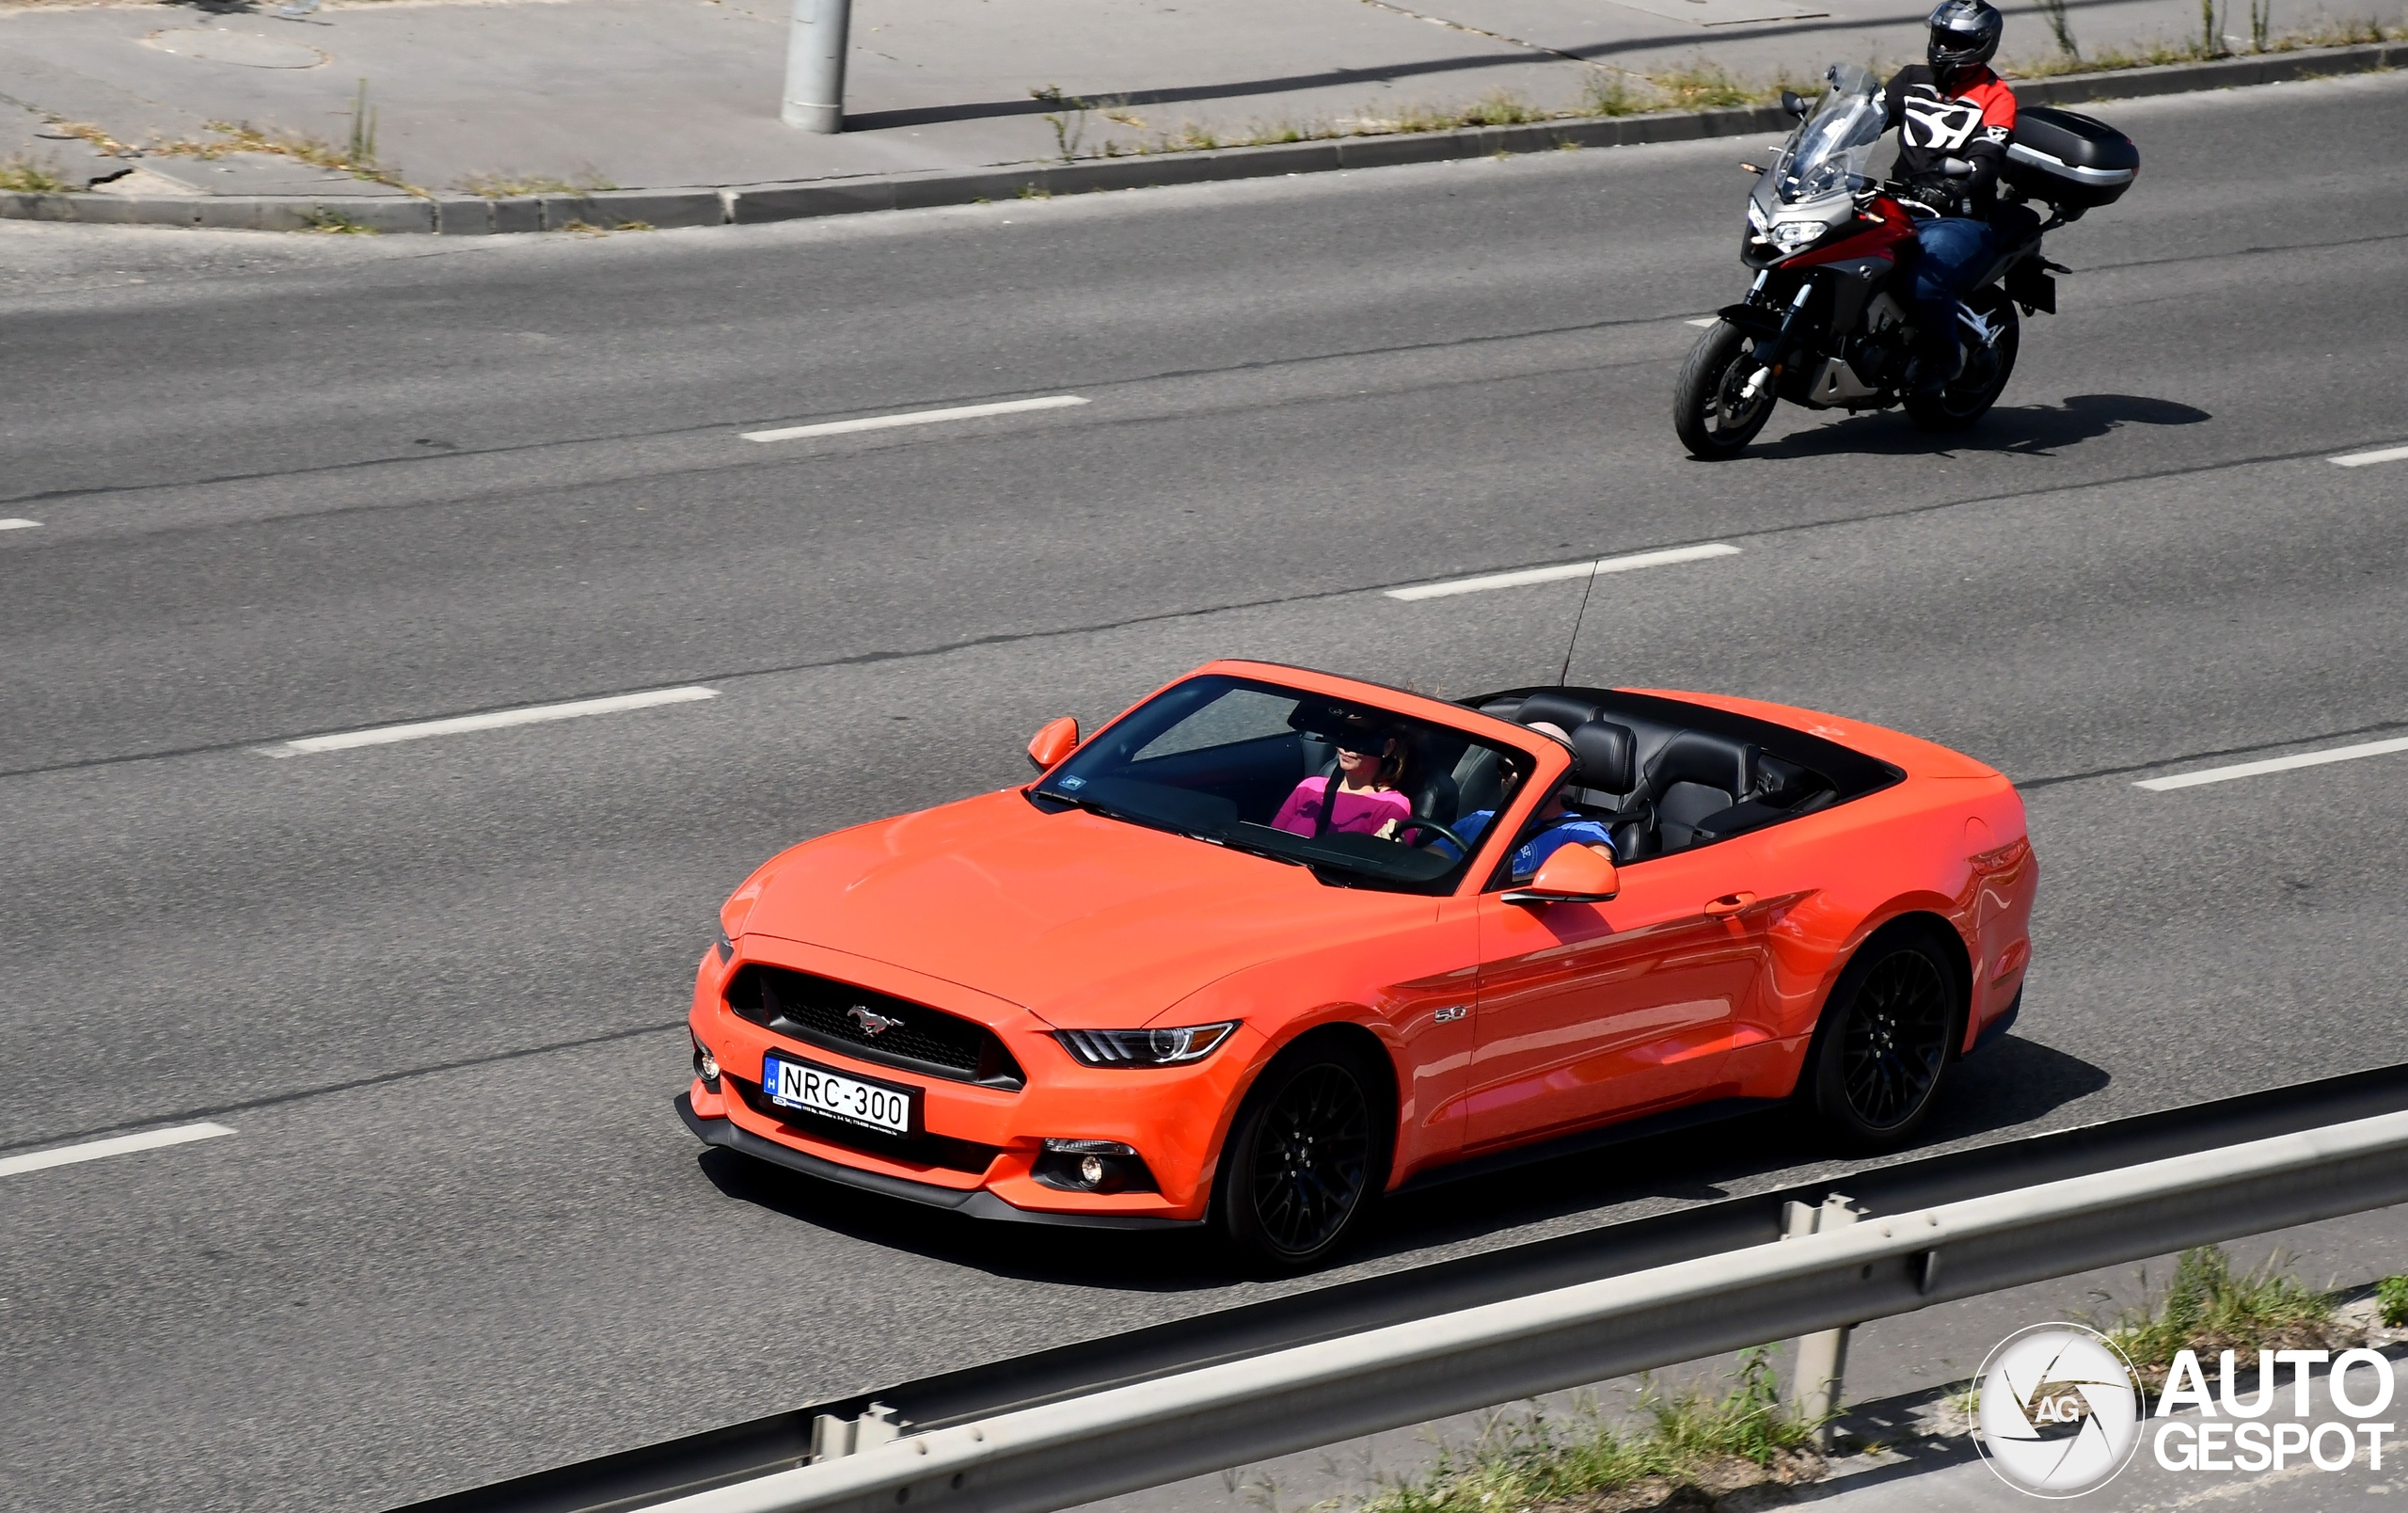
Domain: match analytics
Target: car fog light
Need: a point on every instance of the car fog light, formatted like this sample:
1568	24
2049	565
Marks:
706	1065
1090	1147
1091	1169
1092	1165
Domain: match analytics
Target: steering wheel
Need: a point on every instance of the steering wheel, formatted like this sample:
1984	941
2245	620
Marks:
1462	846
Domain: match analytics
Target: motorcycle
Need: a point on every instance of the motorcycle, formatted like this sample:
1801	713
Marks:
1828	321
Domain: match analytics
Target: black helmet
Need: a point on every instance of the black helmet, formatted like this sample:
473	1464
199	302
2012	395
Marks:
1964	35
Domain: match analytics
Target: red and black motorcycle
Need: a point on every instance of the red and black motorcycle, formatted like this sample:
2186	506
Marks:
1829	323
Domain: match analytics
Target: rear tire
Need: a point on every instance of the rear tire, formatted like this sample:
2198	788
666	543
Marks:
1707	413
1986	371
1307	1158
1888	1034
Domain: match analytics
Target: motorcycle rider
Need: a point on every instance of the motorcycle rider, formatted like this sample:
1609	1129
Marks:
1950	107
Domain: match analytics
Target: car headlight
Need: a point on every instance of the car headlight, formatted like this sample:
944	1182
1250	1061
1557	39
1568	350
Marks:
1144	1047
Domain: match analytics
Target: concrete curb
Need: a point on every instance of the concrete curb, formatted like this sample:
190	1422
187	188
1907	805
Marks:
750	204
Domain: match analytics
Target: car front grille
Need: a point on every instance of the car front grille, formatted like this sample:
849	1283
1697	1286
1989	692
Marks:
875	1027
940	1151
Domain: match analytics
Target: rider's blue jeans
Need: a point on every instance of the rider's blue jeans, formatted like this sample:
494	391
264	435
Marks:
1955	250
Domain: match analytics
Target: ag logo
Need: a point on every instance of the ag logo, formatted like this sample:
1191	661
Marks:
2060	1411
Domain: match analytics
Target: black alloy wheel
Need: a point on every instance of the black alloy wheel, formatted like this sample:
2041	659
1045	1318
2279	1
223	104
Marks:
1971	394
1883	1047
1711	413
1302	1160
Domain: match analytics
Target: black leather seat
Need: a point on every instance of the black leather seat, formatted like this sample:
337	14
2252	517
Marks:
1562	710
1692	777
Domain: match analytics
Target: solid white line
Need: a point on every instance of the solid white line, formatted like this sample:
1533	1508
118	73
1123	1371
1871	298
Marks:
880	423
1562	571
2276	764
114	1145
2359	459
499	719
19	525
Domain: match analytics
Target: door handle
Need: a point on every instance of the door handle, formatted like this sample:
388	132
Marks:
1730	903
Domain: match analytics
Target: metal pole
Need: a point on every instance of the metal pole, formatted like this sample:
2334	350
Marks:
815	97
1822	1358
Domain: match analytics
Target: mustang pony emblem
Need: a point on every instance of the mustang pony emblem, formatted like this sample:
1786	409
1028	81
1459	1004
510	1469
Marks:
872	1022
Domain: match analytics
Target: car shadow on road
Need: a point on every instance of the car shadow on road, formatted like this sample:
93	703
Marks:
2027	430
2009	1085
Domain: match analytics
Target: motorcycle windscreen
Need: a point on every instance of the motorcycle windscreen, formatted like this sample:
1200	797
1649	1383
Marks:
1829	152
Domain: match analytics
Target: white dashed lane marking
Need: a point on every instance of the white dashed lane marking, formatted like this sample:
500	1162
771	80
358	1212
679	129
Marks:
496	720
1563	570
2359	459
13	524
881	422
2276	764
114	1145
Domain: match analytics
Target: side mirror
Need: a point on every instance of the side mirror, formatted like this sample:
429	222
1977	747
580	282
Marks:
1057	741
1795	103
1575	874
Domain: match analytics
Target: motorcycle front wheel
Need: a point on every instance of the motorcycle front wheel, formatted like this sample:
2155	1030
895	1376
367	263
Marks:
1986	371
1710	413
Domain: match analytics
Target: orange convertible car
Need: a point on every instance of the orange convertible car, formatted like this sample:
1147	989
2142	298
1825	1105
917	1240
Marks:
1273	942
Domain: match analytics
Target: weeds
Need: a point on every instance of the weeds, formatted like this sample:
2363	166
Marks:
2391	1301
1069	119
327	222
2207	1308
2060	27
509	185
1613	96
362	147
22	175
242	136
1519	1463
2261	24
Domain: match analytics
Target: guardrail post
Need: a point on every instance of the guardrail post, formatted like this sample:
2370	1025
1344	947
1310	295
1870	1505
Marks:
815	39
1822	1358
832	1437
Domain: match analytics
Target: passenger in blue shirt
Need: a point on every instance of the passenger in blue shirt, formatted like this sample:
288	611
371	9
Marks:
1561	828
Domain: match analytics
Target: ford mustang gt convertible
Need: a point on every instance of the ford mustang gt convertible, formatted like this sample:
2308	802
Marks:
1275	942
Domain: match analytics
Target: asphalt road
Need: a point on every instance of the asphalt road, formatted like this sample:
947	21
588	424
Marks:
289	487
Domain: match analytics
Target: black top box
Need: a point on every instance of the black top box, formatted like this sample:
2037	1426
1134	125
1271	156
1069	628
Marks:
2070	160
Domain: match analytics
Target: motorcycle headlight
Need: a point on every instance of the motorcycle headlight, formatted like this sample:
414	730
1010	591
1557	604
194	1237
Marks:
1144	1047
1756	215
1797	233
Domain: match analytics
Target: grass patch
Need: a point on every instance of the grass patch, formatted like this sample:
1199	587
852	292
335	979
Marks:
2208	46
22	175
1702	86
325	222
2207	1308
2391	1301
1712	1440
510	185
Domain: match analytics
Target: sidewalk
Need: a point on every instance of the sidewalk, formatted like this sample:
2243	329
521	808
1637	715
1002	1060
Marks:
525	96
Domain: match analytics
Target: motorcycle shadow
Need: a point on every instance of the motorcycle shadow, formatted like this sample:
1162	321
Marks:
2028	430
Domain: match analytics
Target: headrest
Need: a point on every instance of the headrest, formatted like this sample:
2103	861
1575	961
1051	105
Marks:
1556	709
1710	760
1603	756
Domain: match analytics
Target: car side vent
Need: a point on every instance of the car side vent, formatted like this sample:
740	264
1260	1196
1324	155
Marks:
873	1027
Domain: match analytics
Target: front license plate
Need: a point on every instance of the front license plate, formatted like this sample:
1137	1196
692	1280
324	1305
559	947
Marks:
817	1090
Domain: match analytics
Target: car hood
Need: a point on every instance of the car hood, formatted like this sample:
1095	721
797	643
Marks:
1084	921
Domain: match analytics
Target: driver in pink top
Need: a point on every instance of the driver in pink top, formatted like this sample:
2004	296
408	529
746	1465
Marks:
1360	797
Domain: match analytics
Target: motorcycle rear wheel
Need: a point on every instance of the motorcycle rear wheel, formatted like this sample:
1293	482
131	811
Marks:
1986	371
1708	414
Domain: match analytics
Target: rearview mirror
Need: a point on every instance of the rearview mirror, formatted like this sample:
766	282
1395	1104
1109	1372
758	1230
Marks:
1795	103
1057	741
1575	874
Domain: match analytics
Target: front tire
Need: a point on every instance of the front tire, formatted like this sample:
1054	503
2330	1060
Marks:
1882	1050
1708	413
1307	1158
1969	396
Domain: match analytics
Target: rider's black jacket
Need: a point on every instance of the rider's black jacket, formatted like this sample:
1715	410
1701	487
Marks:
1972	120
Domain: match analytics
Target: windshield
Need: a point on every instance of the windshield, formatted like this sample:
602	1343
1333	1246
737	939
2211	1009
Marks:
1251	766
1829	152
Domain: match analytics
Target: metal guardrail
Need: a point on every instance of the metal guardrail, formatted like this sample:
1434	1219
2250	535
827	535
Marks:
1092	1420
